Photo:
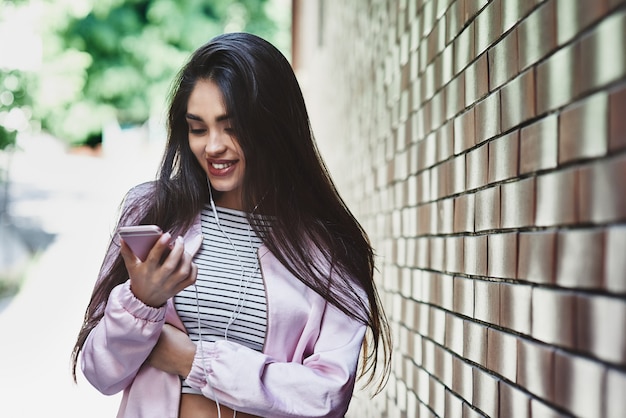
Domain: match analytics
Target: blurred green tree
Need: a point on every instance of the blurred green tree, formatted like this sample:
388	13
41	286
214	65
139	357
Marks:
14	105
115	59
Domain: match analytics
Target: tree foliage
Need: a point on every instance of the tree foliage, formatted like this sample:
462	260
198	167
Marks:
14	105
115	60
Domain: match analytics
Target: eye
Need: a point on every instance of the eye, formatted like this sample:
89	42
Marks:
197	131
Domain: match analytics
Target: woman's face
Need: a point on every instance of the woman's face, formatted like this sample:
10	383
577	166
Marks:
214	143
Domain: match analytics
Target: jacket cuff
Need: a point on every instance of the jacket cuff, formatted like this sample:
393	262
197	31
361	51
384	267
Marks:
124	298
201	366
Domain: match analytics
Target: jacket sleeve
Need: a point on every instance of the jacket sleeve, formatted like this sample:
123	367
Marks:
117	347
121	341
252	382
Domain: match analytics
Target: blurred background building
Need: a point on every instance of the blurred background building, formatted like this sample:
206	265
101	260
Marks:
482	144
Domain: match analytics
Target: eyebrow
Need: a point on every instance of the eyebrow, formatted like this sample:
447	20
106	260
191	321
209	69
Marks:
220	118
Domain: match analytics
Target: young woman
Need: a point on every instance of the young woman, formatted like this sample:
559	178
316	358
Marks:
261	304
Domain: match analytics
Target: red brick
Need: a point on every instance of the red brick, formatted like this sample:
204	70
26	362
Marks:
455	96
464	135
430	291
437	328
464	48
454	405
518	100
475	342
437	398
454	334
614	260
539	409
464	296
600	328
553	317
464	213
535	368
477	162
513	402
515	304
446	295
412	198
555	80
430	150
431	44
454	254
488	117
423	219
539	145
445	357
454	19
574	18
504	157
583	131
579	387
445	209
503	61
472	7
437	253
599	65
445	141
422	251
423	384
537	34
486	393
475	248
445	186
617	121
462	379
487	214
487	301
423	185
502	353
537	254
423	317
614	398
458	175
470	412
502	255
434	219
476	80
580	255
556	198
488	26
518	203
513	12
602	191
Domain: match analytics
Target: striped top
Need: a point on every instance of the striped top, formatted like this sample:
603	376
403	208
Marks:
230	295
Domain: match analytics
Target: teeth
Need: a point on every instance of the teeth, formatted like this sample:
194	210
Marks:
221	166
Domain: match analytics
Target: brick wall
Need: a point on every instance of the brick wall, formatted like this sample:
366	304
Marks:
483	146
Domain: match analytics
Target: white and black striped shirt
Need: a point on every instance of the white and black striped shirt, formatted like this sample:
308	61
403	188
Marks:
230	290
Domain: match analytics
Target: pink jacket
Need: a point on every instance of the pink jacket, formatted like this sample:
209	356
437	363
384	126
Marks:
307	367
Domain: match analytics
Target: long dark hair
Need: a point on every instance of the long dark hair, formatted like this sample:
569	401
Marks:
311	231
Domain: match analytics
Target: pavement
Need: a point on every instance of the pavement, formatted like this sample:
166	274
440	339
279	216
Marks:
61	209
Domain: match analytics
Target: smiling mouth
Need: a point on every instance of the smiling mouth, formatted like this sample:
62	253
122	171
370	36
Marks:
221	166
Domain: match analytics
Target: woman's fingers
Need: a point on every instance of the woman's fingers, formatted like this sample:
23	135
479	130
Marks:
163	274
161	248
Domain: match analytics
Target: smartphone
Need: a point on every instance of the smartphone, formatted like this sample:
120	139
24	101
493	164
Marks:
140	238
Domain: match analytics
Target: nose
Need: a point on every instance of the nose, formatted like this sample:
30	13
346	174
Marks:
215	144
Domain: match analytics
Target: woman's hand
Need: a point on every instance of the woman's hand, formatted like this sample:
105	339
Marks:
154	282
174	352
